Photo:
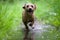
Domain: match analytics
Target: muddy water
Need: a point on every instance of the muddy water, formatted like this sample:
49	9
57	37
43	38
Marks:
36	33
41	31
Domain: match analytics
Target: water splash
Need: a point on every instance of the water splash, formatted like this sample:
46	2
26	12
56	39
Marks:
36	33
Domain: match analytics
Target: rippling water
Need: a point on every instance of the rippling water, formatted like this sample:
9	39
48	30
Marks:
37	32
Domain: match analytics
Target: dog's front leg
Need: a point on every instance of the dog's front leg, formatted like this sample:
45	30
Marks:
25	23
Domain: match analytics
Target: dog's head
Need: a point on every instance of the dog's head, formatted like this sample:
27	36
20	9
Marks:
29	7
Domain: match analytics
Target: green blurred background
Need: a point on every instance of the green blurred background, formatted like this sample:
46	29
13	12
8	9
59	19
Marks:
47	11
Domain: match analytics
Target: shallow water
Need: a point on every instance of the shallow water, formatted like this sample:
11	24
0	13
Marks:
38	31
41	31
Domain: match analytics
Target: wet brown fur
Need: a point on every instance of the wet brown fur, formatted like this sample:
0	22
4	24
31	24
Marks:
28	16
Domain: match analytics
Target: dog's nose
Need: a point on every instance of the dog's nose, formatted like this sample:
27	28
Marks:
29	8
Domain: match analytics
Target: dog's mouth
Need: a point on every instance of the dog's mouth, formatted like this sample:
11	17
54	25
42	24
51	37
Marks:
30	10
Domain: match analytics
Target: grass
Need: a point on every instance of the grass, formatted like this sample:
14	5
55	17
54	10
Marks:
10	17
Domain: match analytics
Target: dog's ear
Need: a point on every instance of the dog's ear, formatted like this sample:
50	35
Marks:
24	6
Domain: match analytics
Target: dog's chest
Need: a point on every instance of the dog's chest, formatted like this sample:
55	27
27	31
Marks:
29	18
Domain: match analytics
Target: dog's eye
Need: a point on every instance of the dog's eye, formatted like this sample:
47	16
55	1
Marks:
27	5
31	6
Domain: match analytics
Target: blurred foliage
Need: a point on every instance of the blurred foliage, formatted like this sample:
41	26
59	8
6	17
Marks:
47	11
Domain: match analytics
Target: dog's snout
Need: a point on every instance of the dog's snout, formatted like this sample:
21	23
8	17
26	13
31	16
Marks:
29	8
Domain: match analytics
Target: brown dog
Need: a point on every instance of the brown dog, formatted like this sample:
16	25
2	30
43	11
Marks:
28	14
